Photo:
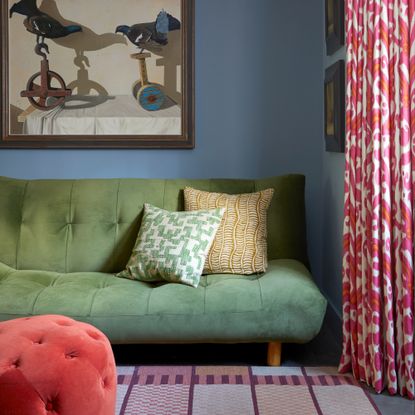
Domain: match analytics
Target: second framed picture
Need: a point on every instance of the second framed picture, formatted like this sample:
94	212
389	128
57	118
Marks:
334	107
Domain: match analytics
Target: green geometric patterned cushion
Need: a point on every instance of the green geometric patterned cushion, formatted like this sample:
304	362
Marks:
172	246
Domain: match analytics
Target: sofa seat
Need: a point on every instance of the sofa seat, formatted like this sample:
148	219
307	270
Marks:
284	304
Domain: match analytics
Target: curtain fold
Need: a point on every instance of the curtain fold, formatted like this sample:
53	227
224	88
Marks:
378	244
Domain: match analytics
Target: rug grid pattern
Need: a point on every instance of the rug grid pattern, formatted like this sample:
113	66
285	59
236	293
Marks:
246	390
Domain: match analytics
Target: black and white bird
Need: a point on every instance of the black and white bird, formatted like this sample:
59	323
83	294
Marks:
41	24
146	34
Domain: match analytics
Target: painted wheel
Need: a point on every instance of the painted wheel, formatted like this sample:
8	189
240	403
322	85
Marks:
55	82
151	97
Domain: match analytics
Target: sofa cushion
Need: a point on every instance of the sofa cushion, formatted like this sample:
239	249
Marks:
284	303
172	246
91	225
240	245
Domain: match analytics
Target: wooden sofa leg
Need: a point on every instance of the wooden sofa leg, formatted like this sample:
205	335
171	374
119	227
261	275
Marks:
274	354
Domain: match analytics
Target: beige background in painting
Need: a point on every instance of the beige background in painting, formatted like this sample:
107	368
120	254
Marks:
96	61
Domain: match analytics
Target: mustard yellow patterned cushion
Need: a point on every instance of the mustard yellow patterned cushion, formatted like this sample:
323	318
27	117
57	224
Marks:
240	244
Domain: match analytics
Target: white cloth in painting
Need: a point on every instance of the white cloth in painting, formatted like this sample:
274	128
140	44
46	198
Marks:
112	115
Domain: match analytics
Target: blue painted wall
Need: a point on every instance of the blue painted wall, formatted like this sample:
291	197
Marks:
333	165
332	210
258	107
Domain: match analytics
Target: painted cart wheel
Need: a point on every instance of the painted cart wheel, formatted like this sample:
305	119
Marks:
40	102
150	97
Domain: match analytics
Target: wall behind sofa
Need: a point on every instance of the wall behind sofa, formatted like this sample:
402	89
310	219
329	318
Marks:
332	217
258	107
332	210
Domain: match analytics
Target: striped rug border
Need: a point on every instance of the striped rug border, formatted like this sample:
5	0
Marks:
214	379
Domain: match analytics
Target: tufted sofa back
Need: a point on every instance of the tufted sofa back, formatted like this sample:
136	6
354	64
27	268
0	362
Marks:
91	225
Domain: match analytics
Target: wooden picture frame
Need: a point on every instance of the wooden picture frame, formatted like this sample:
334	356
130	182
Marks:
334	12
334	107
181	76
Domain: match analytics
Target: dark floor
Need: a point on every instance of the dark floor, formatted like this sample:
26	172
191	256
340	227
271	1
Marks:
324	350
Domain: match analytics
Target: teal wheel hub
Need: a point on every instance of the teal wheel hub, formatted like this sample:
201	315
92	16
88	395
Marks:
151	97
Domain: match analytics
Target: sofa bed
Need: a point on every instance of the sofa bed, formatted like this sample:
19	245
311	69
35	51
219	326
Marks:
63	241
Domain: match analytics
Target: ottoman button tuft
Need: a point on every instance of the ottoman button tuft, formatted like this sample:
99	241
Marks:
64	323
94	335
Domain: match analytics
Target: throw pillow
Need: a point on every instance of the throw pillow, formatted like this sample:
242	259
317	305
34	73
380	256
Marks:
240	245
172	246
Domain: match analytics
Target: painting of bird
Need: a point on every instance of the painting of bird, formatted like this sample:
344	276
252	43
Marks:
41	24
144	35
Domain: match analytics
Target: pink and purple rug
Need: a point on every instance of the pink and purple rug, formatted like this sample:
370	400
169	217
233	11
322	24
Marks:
239	390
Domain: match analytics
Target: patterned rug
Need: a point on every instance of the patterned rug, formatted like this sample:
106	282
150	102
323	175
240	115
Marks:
239	390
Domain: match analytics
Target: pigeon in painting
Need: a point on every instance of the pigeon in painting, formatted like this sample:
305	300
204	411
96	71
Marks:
41	24
146	34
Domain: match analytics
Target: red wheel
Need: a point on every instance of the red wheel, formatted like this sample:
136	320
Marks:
54	83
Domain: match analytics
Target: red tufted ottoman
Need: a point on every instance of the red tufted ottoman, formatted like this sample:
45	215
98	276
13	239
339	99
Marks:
55	365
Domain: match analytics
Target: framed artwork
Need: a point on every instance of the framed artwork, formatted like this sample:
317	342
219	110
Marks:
334	25
334	107
97	74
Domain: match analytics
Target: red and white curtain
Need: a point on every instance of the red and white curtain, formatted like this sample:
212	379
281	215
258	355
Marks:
378	260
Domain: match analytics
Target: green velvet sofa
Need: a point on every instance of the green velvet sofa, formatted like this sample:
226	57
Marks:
61	241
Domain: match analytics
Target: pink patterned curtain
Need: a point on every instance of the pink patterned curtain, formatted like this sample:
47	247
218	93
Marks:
378	261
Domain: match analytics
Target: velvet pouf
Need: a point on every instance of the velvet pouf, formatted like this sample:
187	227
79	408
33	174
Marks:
55	365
